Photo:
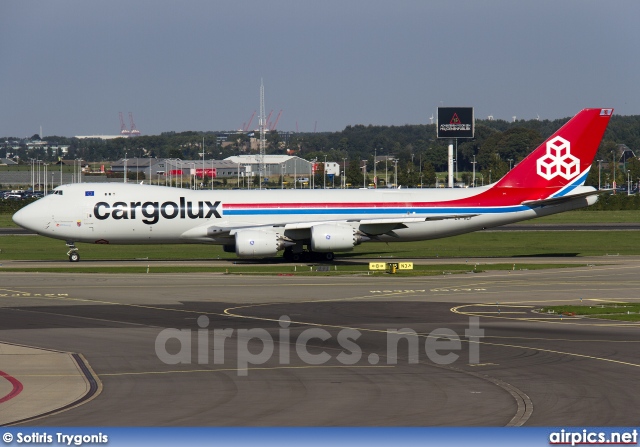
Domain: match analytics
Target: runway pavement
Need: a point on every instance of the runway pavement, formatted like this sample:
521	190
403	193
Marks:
332	360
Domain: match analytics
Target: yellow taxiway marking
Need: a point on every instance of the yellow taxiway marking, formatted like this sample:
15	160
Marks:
229	313
505	345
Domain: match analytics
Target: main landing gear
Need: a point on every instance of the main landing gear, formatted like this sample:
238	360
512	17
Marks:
73	254
307	255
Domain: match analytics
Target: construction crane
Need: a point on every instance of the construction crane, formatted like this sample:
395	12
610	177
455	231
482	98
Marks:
123	127
275	123
267	122
247	126
134	131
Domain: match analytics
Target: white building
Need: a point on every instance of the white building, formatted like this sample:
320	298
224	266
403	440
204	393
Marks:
274	165
332	168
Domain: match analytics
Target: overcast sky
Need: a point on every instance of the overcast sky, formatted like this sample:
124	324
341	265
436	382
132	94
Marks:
72	66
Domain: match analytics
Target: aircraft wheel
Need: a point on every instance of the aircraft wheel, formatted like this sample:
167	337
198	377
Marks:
74	257
329	256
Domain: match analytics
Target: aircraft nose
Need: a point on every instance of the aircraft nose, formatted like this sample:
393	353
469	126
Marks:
26	217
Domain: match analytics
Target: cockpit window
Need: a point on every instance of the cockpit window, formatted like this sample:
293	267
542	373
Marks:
58	192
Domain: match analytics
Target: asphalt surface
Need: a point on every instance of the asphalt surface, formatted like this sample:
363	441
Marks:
531	369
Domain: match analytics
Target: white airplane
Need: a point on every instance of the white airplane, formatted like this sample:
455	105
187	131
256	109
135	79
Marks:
259	223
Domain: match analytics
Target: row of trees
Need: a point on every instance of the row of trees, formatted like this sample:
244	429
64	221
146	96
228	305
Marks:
497	146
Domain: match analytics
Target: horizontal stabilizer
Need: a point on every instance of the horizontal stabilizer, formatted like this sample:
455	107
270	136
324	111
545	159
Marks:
559	200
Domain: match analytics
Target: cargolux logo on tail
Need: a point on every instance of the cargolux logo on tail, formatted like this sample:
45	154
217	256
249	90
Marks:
558	161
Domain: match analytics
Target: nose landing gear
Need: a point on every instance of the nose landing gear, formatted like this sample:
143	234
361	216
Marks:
73	254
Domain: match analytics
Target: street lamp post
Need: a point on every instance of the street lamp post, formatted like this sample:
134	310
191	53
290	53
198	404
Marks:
312	183
473	179
33	181
613	157
396	176
599	173
344	173
375	167
324	173
202	162
386	171
364	173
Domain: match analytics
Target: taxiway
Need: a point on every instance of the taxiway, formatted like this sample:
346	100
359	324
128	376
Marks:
532	369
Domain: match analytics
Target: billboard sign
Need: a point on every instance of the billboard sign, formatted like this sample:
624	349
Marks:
455	122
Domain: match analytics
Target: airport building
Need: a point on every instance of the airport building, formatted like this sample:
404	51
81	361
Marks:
274	165
156	167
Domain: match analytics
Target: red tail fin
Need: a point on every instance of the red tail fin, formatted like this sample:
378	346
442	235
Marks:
565	157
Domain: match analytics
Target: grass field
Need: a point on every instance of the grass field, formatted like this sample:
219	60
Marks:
480	244
591	217
606	311
6	222
299	270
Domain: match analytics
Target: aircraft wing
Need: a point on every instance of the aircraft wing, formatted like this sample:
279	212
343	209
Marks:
368	226
379	221
378	226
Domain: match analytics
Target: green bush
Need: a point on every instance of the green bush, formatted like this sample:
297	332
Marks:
616	202
11	206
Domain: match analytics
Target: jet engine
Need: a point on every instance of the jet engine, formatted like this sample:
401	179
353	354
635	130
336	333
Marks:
332	237
258	243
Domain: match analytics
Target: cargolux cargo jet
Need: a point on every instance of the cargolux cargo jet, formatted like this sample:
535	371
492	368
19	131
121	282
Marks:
314	224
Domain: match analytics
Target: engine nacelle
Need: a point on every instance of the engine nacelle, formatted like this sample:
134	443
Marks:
332	237
257	243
